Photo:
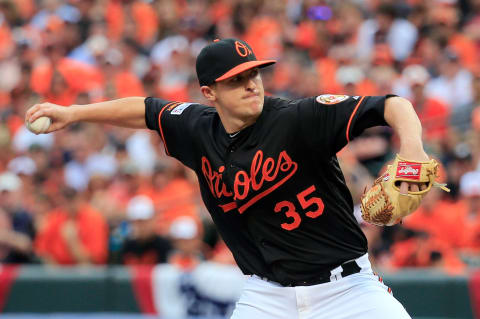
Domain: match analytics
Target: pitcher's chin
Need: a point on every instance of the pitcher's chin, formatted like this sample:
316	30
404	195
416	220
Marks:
254	105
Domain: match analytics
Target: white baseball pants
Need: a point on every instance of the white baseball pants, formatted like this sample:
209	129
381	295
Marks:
360	296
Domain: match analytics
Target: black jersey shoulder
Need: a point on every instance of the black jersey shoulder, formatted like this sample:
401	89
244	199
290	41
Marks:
179	124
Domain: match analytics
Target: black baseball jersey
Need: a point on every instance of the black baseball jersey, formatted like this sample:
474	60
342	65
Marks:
275	190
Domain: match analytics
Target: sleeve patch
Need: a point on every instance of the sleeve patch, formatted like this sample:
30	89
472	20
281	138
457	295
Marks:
330	99
180	108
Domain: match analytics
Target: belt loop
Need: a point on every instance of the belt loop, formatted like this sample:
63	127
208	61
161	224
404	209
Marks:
364	263
336	273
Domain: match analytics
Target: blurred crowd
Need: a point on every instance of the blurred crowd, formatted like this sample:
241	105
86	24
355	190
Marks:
93	194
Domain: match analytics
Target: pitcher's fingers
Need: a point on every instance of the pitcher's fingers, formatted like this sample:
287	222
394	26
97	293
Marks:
423	186
404	188
414	188
38	113
30	111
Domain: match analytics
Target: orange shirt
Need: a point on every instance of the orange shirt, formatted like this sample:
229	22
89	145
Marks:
219	10
466	49
442	222
434	116
417	252
115	19
92	232
78	76
174	200
146	21
128	84
14	122
476	118
264	36
327	68
6	41
469	228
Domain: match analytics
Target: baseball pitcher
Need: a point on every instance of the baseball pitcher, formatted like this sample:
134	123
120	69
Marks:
270	178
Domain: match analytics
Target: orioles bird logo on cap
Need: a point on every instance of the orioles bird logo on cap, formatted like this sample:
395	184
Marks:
242	49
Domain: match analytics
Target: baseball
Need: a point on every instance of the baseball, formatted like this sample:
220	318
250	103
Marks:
40	125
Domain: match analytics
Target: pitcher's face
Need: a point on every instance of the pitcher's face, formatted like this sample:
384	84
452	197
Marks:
242	95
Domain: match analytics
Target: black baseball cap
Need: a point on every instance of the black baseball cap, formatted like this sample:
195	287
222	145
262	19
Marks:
225	58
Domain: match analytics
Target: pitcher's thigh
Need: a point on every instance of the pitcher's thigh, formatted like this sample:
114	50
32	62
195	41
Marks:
379	305
359	297
263	302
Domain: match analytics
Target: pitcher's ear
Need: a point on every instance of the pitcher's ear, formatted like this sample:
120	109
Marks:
209	92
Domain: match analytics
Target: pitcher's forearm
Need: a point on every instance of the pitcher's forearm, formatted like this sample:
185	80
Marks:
125	112
401	116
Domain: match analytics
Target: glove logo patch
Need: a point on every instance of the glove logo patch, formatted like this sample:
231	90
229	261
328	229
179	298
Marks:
409	170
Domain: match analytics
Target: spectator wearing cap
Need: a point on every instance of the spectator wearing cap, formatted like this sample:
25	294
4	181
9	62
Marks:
25	168
350	77
433	113
16	225
73	233
459	160
454	84
24	140
143	246
469	211
185	234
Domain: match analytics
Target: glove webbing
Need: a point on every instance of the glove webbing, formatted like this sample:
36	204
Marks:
387	209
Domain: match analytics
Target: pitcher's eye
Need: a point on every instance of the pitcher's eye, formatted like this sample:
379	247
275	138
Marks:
235	79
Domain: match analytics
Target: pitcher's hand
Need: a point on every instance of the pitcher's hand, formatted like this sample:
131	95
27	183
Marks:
416	155
61	116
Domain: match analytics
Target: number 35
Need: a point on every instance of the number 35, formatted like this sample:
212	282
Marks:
305	203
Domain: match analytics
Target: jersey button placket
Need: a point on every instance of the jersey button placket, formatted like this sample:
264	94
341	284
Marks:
230	151
230	171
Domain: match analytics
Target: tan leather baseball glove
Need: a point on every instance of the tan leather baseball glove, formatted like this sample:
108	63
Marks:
384	205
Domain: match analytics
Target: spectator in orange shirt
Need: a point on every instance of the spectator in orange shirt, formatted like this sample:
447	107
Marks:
60	91
73	234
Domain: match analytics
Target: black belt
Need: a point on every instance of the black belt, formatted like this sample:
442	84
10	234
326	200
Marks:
348	268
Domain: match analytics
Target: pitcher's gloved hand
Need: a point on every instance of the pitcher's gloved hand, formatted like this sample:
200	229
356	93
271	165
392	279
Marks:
385	205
